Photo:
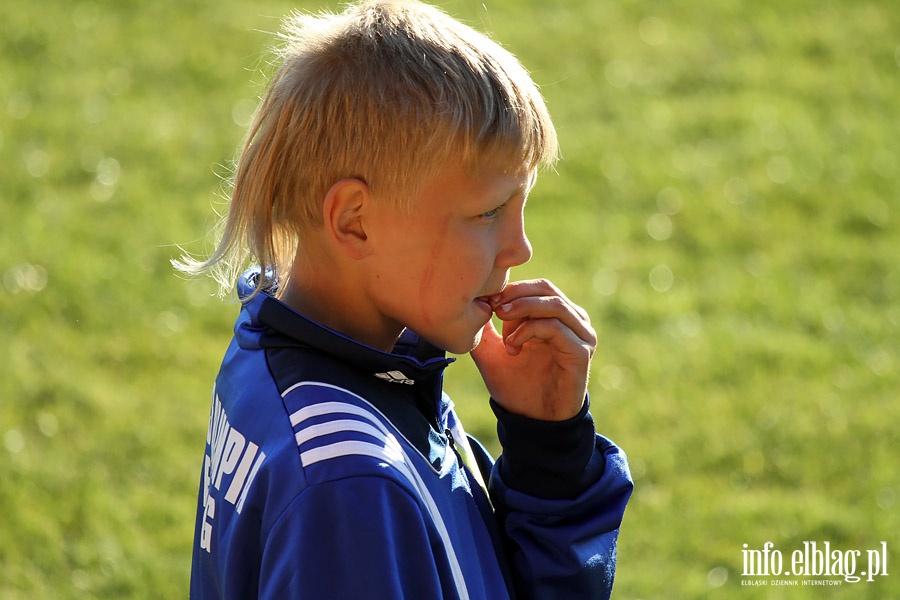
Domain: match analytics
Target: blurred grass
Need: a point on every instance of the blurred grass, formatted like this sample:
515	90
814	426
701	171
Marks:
727	209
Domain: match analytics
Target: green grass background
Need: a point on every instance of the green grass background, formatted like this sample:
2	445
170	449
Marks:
727	210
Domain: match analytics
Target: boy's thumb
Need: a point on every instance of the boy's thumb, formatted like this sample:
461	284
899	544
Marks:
490	339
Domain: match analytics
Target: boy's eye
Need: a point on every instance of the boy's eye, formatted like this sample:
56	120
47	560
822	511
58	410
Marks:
492	214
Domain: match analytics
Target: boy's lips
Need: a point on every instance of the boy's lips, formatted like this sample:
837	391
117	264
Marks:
485	303
488	301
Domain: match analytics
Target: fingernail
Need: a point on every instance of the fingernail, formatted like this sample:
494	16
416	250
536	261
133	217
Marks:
506	307
494	299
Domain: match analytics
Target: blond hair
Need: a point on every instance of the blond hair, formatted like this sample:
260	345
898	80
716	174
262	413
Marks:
388	92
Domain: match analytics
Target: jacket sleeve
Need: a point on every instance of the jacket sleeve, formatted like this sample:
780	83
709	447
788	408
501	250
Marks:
330	544
559	492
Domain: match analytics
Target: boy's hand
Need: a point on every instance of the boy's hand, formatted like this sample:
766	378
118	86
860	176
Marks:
538	367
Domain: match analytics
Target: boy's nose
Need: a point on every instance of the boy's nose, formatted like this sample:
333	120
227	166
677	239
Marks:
517	252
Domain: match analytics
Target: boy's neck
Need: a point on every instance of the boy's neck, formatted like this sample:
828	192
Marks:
328	298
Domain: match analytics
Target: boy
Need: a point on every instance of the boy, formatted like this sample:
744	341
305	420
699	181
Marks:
381	190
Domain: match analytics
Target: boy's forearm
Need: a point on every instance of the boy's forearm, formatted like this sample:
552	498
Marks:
560	492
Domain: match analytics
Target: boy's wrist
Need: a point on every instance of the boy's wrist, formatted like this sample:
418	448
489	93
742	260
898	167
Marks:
547	459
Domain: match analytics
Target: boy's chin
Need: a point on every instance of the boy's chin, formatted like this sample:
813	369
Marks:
463	345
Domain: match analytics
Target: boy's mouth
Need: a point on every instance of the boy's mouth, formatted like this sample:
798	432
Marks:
488	300
485	303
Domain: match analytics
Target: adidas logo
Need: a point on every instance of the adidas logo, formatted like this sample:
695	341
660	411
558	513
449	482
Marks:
395	377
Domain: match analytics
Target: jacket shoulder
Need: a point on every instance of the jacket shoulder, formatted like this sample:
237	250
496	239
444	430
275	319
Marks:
339	434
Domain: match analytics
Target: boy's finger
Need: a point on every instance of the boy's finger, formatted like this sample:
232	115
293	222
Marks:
551	331
534	287
546	307
489	337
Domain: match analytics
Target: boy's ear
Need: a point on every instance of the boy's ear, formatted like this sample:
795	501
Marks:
343	211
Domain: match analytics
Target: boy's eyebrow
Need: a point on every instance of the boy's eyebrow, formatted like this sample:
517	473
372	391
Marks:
523	189
508	194
520	191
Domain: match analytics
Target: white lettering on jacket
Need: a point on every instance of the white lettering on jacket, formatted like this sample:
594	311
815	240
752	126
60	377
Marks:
231	460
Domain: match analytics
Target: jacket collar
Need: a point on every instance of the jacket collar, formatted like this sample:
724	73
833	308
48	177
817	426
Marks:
268	322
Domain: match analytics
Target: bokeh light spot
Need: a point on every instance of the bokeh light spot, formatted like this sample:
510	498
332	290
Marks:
659	227
780	169
653	31
717	577
661	278
605	282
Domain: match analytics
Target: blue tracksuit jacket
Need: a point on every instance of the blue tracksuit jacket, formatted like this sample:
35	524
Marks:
333	471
